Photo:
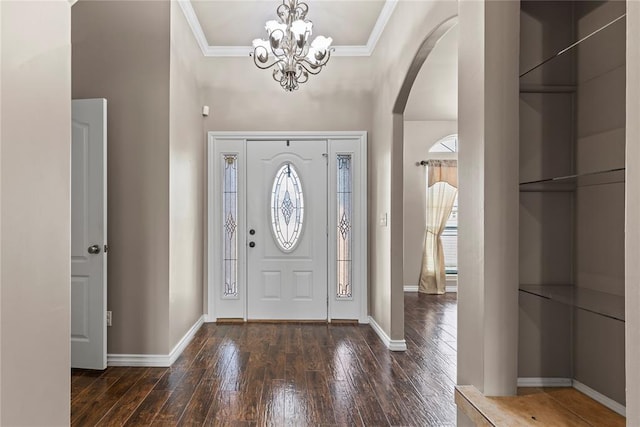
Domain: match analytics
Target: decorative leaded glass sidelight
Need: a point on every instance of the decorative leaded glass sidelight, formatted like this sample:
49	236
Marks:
229	225
287	208
345	216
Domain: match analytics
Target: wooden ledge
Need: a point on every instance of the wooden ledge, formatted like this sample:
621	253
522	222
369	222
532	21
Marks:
535	407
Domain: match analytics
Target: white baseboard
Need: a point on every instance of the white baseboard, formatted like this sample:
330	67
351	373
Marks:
393	345
156	360
185	340
601	398
146	360
414	288
544	382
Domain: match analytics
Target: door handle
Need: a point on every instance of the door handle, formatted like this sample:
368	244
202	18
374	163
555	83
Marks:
252	231
252	244
93	249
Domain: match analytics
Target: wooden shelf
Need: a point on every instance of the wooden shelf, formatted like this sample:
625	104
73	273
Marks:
620	20
571	182
601	303
538	88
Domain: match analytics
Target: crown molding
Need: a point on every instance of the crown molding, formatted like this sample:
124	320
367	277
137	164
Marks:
194	23
241	51
381	23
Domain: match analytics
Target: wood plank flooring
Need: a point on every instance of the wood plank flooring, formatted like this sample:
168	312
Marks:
536	407
287	374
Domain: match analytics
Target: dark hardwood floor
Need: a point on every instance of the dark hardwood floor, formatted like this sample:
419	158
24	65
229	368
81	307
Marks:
288	374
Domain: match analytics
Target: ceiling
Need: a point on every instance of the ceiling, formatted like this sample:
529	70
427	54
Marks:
434	95
227	28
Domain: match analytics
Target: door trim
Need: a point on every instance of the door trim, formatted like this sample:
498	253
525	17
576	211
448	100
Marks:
336	142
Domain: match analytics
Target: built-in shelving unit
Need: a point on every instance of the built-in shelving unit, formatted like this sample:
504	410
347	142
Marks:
572	169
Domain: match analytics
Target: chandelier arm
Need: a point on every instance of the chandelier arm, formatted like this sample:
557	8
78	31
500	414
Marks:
303	52
326	58
311	70
303	76
275	75
301	10
263	67
283	11
319	64
314	68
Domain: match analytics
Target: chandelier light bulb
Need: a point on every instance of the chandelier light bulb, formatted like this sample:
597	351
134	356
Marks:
321	43
261	49
301	30
287	49
272	25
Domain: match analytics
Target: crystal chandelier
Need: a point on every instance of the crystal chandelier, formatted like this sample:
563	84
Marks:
287	48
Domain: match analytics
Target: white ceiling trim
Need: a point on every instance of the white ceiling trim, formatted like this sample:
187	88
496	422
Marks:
381	23
235	51
194	23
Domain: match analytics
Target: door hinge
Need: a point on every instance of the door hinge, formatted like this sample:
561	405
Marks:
106	249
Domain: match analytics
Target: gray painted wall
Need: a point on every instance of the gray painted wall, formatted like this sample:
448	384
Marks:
118	58
632	236
187	160
35	213
140	57
409	26
488	196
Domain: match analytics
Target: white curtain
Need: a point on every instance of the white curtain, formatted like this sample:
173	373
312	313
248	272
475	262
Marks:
441	194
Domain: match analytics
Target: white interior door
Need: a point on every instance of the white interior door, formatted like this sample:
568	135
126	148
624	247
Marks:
89	234
287	224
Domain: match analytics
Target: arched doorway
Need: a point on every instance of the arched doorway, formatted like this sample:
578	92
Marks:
426	121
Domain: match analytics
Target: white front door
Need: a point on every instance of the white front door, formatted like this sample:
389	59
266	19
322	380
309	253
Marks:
287	230
89	234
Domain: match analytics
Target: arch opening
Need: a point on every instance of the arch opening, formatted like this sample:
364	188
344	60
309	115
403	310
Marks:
406	166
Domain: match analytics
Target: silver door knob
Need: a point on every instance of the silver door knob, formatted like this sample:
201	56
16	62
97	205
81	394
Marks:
93	249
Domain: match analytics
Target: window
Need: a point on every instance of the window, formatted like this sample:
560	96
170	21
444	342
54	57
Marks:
344	216
449	144
450	241
287	208
229	225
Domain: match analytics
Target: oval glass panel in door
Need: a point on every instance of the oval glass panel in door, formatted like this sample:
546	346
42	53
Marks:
287	207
